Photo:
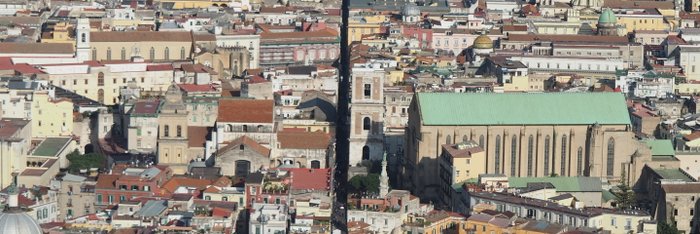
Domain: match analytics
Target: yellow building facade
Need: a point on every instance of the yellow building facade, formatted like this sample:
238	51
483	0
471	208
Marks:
59	34
642	21
365	25
51	117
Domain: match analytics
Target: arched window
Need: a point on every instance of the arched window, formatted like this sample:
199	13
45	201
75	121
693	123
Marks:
182	53
152	54
481	141
94	54
448	140
179	131
109	53
100	79
563	155
366	124
579	161
229	128
530	145
123	54
610	164
241	147
546	155
315	164
513	154
365	152
166	54
498	155
166	131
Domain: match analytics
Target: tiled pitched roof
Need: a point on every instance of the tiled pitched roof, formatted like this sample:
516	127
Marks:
197	136
106	181
245	111
176	182
311	179
247	142
303	140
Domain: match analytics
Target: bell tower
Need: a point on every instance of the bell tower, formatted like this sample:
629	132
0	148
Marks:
367	115
82	37
172	132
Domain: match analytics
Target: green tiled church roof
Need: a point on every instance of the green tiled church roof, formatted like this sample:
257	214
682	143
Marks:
460	109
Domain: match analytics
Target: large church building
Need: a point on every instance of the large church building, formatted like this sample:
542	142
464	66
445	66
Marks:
524	135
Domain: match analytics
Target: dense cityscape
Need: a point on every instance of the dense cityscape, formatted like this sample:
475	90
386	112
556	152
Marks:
349	116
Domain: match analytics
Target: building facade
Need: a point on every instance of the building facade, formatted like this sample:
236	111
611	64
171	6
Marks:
597	142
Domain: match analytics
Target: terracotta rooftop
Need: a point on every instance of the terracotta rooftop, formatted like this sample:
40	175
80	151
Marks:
245	111
197	136
146	107
303	140
106	181
169	187
310	179
247	142
160	67
196	88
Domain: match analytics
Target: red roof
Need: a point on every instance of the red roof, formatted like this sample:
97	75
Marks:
160	67
221	212
303	140
196	88
246	111
311	179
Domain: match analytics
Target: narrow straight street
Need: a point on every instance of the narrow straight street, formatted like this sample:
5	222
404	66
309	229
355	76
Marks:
339	217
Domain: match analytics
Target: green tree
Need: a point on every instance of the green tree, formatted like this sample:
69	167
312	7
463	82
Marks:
361	183
625	197
666	228
84	161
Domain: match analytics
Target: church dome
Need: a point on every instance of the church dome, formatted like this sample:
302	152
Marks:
483	42
410	10
607	17
18	222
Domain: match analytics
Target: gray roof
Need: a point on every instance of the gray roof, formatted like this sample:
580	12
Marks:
153	208
74	178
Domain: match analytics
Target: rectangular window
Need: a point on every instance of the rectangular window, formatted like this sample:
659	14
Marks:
368	91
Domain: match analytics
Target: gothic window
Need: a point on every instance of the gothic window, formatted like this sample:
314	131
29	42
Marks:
513	154
530	143
579	161
563	155
546	156
498	154
610	164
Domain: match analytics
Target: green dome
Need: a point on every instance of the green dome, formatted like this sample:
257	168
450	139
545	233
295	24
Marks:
607	17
